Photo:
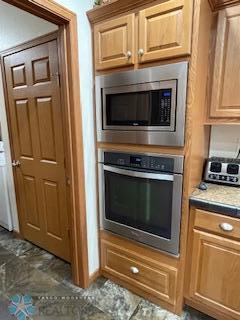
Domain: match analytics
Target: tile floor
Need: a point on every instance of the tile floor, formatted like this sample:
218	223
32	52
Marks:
26	269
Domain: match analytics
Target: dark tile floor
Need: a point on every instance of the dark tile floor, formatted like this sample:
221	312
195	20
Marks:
26	269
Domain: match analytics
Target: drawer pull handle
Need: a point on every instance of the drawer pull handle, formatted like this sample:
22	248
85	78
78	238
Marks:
129	54
226	227
140	52
134	270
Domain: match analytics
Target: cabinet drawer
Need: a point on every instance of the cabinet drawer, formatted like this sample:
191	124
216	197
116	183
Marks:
220	224
155	278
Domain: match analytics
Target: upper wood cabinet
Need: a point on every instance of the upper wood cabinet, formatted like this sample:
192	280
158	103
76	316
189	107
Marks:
114	43
165	30
225	98
220	4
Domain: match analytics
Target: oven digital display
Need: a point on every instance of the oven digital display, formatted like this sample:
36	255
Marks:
137	161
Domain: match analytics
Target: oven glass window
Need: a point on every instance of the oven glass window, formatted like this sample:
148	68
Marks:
141	203
147	108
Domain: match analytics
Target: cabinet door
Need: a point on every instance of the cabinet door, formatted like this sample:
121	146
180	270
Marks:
165	30
215	276
225	100
114	43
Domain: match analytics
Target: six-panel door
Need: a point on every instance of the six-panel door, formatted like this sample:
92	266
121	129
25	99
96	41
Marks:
38	144
215	276
225	102
165	30
114	43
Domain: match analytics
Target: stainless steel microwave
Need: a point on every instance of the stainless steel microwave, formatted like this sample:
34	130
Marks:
144	106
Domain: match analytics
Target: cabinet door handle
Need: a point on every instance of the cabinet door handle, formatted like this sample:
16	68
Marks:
128	54
134	270
140	52
226	226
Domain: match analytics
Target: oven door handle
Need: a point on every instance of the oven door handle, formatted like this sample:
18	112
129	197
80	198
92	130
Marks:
137	174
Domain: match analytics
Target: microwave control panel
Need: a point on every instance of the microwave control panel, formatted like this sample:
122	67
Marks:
165	106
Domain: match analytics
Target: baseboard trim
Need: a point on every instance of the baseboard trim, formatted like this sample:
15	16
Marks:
212	312
94	276
17	235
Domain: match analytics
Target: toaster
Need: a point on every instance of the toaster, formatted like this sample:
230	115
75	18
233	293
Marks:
223	170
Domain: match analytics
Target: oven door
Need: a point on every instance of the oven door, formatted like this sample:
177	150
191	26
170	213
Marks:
142	206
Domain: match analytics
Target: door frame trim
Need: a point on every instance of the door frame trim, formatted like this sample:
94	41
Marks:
68	55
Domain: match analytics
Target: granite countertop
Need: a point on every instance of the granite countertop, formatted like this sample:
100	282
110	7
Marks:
218	198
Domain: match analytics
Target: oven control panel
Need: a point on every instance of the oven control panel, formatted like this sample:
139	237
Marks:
145	162
223	170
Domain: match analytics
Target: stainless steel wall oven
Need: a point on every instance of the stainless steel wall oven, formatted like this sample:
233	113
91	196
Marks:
144	106
140	197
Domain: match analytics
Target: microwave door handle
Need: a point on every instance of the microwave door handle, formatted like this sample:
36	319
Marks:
138	174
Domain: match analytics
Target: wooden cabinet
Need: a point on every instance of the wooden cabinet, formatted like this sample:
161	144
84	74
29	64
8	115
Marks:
164	31
214	280
220	4
147	274
225	97
114	43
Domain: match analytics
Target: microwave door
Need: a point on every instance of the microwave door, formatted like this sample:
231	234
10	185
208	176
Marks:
148	106
127	107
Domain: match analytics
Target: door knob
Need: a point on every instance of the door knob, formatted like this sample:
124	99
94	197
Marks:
16	163
134	270
128	54
140	52
226	226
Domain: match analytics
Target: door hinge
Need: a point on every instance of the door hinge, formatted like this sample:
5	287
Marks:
68	181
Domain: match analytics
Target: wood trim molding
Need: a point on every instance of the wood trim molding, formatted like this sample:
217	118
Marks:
55	13
221	4
46	9
117	7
